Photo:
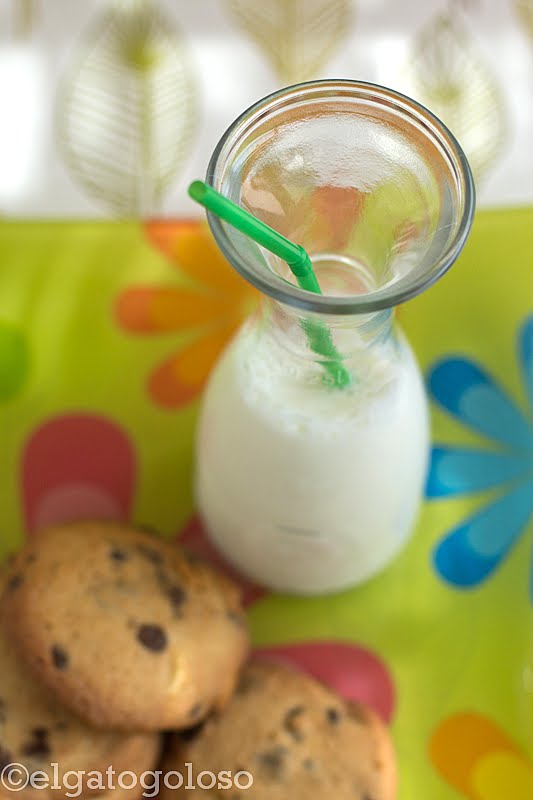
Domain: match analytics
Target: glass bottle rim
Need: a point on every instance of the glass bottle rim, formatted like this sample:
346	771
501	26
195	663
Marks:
274	285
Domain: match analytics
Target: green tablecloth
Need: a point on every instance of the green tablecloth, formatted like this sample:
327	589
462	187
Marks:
107	332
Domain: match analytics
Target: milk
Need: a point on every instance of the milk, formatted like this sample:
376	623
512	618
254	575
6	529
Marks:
303	487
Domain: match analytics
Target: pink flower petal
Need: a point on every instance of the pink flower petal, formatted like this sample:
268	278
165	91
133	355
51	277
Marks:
77	465
351	670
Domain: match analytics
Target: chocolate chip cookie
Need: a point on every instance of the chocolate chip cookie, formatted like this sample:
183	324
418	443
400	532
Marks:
123	627
296	738
36	732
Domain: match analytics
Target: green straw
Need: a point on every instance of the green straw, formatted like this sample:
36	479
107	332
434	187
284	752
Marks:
318	335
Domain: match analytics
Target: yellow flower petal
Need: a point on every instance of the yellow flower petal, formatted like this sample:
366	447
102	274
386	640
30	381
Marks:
502	776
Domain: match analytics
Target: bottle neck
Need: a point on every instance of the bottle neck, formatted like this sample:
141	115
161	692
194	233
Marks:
307	337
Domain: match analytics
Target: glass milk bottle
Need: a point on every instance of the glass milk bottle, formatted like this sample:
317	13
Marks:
303	485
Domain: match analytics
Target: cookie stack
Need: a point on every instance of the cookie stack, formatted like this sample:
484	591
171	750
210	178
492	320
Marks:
296	738
111	635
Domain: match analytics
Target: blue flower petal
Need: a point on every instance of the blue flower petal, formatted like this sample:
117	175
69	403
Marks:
468	393
471	552
456	471
525	355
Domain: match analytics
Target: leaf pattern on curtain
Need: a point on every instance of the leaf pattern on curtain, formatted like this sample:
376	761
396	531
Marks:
452	80
297	36
24	18
127	111
524	9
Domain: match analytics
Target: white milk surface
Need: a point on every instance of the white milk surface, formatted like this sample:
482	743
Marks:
305	488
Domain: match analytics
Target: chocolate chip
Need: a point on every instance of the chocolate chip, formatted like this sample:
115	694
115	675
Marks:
176	595
149	553
272	761
333	715
247	682
196	710
237	617
191	733
36	749
14	582
30	558
38	745
59	657
290	722
117	554
308	764
192	558
153	637
61	725
153	785
5	757
357	713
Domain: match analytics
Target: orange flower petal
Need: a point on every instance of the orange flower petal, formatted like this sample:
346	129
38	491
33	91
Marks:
152	310
178	380
461	742
199	255
191	247
163	233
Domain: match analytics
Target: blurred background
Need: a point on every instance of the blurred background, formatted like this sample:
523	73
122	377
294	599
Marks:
111	107
115	304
